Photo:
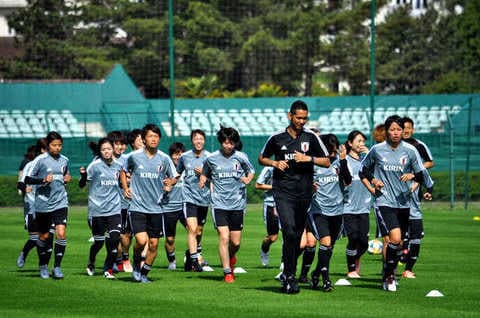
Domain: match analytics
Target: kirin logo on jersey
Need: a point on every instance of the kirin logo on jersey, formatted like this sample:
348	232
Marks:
305	146
403	160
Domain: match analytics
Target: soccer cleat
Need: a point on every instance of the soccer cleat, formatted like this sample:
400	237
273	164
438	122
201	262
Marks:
264	258
136	275
172	266
127	267
353	274
408	274
290	285
120	267
279	276
303	278
44	272
57	273
108	274
315	280
229	278
327	286
389	284
144	279
21	260
90	269
196	267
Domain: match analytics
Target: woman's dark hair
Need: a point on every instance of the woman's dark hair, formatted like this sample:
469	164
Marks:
151	127
176	147
351	136
393	119
117	136
132	135
41	145
96	146
330	141
53	135
197	131
228	133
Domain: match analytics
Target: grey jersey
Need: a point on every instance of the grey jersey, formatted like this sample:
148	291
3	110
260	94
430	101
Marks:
265	177
191	192
125	203
148	175
356	197
173	201
50	196
228	191
104	198
388	165
29	198
328	199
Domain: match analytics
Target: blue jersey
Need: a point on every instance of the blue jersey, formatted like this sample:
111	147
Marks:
50	196
104	197
191	191
265	177
388	165
228	191
328	199
356	197
147	176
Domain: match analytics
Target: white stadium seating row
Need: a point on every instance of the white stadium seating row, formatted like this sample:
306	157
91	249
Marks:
36	124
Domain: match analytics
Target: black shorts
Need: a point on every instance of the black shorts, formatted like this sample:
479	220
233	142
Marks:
324	225
45	220
31	223
270	218
170	220
356	223
390	218
106	224
232	219
126	227
191	210
415	229
151	223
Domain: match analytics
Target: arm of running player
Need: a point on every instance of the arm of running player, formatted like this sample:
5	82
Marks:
206	173
34	180
345	175
126	190
262	186
247	179
318	161
83	177
280	165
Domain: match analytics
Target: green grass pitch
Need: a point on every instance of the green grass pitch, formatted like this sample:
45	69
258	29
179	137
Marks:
449	262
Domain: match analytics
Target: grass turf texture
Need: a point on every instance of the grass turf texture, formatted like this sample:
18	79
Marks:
449	262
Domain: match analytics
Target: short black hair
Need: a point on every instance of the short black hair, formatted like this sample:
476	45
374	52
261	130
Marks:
228	133
197	131
53	135
176	147
330	141
298	104
96	146
351	136
132	135
407	119
393	119
151	127
117	136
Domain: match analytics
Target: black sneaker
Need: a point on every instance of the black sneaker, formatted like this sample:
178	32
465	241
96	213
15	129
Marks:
315	280
196	267
290	285
303	279
187	262
327	286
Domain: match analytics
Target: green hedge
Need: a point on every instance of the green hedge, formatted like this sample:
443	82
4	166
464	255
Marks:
77	196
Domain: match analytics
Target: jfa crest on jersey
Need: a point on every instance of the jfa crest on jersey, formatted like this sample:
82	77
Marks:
305	146
403	160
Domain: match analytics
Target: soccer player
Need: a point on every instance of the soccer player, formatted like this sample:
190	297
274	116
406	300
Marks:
270	215
296	150
230	171
385	172
28	193
50	173
152	172
325	214
196	200
172	204
122	262
411	246
104	204
356	205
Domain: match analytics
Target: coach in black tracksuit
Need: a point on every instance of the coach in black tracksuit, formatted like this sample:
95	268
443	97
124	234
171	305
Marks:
295	151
